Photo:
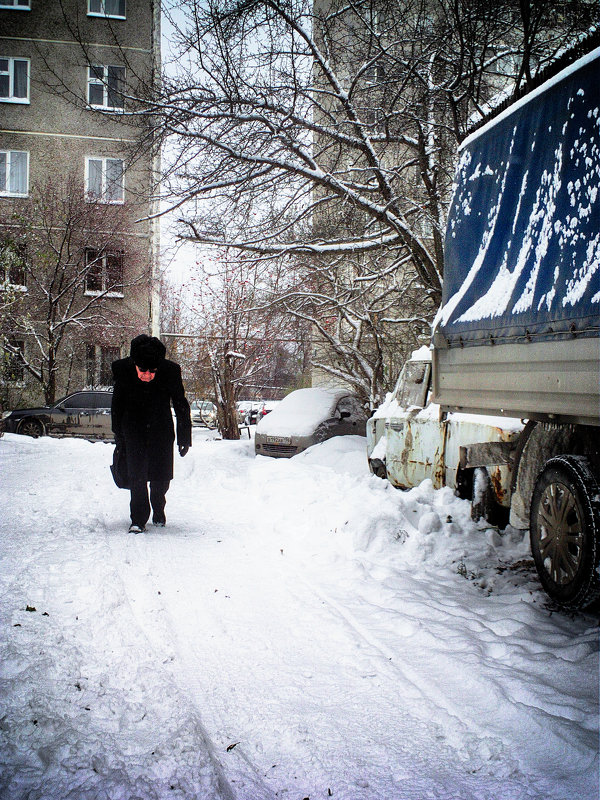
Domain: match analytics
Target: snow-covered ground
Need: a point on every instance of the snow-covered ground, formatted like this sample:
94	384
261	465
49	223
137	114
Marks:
299	629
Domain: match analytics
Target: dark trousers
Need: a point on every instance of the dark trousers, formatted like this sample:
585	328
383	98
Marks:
140	504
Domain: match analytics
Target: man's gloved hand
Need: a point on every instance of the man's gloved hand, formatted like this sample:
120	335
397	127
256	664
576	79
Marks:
183	448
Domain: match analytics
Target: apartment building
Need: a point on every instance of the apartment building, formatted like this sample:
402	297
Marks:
78	171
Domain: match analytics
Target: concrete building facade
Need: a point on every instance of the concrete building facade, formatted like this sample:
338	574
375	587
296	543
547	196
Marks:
70	71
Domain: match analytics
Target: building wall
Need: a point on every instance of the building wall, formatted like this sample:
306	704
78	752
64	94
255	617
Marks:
60	132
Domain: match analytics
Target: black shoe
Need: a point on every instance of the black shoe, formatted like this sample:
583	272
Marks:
137	528
160	522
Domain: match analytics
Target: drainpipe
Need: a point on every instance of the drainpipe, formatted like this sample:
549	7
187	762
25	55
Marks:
154	311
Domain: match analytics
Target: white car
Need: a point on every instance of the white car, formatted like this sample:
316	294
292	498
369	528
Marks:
203	412
409	440
306	417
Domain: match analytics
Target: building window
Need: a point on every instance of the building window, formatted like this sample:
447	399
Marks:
14	80
104	273
20	5
105	87
98	361
14	173
107	8
12	265
105	179
13	371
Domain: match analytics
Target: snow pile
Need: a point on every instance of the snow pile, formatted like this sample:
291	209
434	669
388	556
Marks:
344	454
299	629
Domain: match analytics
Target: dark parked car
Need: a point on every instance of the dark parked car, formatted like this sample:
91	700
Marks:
85	414
306	417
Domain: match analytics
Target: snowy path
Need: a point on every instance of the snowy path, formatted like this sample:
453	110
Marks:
298	630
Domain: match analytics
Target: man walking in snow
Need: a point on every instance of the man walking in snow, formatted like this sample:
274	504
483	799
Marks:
145	385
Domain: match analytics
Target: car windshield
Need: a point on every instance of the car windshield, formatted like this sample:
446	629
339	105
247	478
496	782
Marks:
412	390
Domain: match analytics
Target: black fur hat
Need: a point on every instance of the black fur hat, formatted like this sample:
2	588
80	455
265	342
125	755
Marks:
147	351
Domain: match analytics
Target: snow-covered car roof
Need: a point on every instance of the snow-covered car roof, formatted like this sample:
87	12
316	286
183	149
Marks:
301	411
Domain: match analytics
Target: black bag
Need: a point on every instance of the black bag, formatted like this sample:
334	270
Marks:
119	467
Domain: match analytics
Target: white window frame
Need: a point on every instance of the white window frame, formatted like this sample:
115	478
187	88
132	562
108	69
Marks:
104	197
104	273
16	5
11	80
102	12
5	191
93	80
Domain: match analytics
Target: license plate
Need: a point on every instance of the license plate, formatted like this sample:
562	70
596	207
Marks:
278	440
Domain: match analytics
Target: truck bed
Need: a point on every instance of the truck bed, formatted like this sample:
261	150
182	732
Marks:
518	329
551	380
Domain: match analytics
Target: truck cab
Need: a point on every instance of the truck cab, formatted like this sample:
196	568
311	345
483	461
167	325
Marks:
410	439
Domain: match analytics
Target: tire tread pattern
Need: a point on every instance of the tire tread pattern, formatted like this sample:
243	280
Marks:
577	469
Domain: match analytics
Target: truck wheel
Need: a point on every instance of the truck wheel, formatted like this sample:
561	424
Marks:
564	531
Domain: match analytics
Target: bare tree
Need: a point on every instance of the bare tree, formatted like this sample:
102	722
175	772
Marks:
352	307
288	112
63	267
184	343
234	332
325	133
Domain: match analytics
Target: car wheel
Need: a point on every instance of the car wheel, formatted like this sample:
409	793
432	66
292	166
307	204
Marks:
31	427
564	531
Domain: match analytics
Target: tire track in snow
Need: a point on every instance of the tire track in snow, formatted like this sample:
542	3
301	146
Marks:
475	739
163	558
86	709
224	672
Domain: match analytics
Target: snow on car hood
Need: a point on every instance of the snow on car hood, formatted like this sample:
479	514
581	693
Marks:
300	412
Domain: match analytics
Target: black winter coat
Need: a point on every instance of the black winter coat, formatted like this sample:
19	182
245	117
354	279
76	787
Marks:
142	419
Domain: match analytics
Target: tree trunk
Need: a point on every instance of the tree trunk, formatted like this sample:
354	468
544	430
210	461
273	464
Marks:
50	388
225	394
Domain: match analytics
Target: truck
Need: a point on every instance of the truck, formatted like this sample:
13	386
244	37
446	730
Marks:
507	412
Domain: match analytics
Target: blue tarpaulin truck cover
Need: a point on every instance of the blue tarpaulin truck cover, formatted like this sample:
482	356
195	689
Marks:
522	250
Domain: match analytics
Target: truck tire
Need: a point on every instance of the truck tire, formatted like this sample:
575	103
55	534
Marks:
565	531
